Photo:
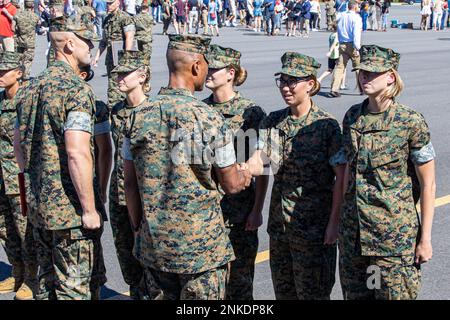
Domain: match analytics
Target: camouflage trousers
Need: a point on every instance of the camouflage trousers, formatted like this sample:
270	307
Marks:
132	270
242	270
71	265
302	271
28	59
330	21
114	94
208	285
16	237
378	278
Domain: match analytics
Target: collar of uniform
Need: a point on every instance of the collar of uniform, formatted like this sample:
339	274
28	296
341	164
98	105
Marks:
64	65
175	92
230	107
383	124
310	117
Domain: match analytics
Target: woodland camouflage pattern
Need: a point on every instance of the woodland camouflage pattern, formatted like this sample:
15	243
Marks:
379	220
298	65
301	201
221	57
182	230
377	59
25	36
240	114
118	213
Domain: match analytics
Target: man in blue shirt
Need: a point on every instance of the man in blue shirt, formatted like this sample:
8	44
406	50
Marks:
100	14
269	14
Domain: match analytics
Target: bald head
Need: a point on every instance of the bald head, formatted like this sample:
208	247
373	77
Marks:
187	67
59	39
181	61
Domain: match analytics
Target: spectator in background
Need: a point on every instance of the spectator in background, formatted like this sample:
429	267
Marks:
378	8
384	15
167	15
100	14
257	14
194	8
425	13
7	12
315	9
444	15
205	5
242	8
341	5
180	16
437	14
269	10
279	8
373	16
349	27
305	17
364	12
213	12
156	10
130	7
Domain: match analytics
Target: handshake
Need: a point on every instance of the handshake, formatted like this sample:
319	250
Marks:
252	168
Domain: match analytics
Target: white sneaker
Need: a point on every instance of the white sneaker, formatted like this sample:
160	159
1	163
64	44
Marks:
227	23
254	29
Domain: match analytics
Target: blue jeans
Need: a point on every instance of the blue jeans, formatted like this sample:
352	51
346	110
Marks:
278	21
99	17
364	16
156	12
384	21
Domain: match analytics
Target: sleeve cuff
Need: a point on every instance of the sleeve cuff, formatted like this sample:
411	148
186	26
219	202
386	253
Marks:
128	28
78	121
423	155
225	156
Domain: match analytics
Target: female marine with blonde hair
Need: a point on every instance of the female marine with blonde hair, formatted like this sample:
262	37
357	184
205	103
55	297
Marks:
243	211
303	144
390	164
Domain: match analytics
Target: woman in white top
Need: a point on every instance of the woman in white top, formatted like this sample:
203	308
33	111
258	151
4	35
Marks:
425	12
437	14
315	9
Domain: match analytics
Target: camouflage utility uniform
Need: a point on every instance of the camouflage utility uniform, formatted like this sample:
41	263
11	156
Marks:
379	224
69	256
304	152
181	241
26	22
240	114
115	26
16	234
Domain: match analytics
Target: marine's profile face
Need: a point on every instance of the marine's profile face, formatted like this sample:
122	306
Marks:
374	83
82	50
112	6
128	81
217	78
202	72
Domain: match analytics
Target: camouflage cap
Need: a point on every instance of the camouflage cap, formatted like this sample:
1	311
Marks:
29	3
298	65
194	44
377	59
220	57
10	60
130	61
66	24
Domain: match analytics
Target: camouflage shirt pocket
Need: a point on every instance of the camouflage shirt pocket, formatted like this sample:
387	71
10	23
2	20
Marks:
387	168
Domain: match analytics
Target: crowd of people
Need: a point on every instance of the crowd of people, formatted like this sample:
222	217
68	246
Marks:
187	180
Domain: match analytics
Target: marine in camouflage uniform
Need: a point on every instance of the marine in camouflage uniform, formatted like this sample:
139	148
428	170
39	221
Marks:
25	23
16	234
144	27
56	8
120	224
330	12
305	152
69	256
117	26
181	241
380	225
240	114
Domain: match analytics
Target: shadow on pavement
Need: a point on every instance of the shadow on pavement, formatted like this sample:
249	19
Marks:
108	293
